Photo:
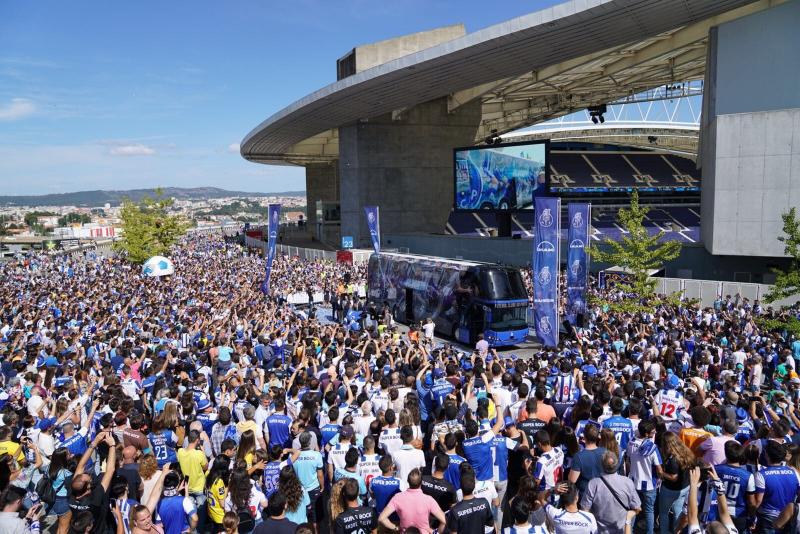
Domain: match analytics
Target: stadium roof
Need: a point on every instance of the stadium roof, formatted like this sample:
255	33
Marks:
524	71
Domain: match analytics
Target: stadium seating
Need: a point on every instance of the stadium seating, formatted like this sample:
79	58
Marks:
623	170
677	223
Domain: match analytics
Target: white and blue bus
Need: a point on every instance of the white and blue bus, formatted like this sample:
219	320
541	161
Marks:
464	298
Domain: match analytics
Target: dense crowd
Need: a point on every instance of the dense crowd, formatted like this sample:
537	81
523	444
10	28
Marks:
194	403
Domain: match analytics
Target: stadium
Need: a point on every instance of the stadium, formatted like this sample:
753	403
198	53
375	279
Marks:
718	165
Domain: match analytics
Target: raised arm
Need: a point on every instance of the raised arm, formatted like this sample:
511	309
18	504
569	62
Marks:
111	461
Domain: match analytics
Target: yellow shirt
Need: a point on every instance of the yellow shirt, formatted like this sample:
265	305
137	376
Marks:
193	462
12	449
216	501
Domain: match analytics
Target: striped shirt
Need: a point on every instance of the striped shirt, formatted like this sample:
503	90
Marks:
644	456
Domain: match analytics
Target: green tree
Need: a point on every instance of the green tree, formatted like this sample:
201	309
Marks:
149	227
73	217
3	225
787	283
32	217
639	253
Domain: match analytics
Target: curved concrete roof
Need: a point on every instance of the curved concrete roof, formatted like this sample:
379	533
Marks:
525	70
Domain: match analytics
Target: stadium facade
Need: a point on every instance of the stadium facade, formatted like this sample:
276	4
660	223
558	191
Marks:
384	132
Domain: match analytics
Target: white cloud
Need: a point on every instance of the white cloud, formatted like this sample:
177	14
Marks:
18	108
132	150
233	148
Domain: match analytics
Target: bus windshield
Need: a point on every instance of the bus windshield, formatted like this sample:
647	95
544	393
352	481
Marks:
508	318
503	284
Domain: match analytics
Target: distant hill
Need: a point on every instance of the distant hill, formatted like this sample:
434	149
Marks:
99	198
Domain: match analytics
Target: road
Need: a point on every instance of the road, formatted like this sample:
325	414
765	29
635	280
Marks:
524	350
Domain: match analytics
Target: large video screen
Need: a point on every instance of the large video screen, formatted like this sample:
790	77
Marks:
500	177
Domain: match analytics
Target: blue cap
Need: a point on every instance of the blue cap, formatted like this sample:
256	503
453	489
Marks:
202	404
741	415
673	382
438	373
46	423
466	365
509	421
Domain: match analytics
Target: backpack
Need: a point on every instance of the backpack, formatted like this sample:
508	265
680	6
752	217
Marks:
46	491
246	521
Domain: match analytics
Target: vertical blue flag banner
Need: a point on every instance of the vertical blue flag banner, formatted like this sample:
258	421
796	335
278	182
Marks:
274	215
546	261
374	224
577	258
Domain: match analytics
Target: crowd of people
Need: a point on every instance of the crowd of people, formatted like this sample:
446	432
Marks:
194	403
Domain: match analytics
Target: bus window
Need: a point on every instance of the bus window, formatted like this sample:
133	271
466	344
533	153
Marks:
502	284
509	318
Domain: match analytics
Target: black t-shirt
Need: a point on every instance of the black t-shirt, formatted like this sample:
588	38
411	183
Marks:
470	516
442	492
276	526
531	427
359	520
671	467
97	503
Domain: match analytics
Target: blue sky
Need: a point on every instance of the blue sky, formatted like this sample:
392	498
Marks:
117	95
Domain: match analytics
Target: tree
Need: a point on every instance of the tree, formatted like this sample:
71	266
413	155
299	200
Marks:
3	225
73	217
638	253
149	228
787	283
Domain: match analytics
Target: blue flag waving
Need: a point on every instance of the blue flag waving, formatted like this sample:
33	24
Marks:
546	261
274	212
577	258
374	224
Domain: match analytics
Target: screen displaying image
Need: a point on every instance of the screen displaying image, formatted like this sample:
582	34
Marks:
505	177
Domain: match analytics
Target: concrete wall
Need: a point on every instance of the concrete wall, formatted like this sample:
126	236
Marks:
404	164
750	146
322	183
371	55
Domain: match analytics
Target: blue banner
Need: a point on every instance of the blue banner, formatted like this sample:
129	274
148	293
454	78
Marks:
374	224
577	258
546	262
274	212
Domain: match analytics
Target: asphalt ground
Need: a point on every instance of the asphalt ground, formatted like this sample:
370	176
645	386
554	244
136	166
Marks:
524	350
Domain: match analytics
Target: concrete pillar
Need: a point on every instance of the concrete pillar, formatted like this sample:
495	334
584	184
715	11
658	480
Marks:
322	183
403	163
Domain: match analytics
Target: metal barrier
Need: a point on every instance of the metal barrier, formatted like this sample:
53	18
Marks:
707	291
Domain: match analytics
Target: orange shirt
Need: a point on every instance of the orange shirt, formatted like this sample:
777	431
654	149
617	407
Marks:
693	437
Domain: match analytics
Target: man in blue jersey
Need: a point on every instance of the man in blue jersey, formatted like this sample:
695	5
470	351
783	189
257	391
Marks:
478	448
622	427
776	486
385	486
308	467
278	425
739	483
566	388
440	389
177	511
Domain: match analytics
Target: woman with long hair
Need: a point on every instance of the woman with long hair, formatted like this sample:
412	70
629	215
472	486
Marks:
148	470
337	503
244	498
296	496
407	418
164	441
568	442
581	411
230	523
527	492
678	459
217	489
60	473
609	441
247	448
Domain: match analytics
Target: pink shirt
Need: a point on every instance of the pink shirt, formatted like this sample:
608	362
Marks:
413	508
713	449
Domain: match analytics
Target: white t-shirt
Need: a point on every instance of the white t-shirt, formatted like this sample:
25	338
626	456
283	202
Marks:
407	458
428	328
571	522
